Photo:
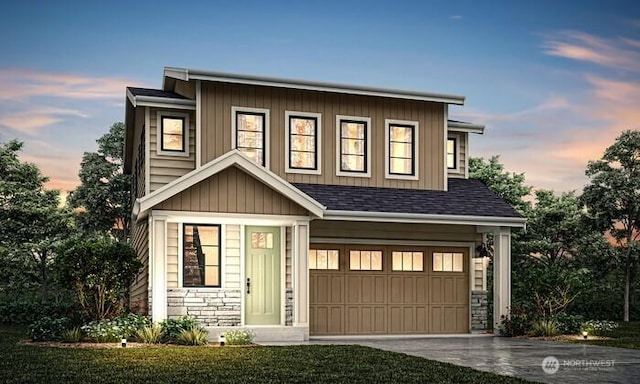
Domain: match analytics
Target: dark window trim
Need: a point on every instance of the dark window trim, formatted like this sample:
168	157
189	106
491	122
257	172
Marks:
315	141
455	152
366	145
264	133
184	141
413	149
184	245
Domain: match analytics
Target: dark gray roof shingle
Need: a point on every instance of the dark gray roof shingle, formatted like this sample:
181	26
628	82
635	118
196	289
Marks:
465	197
155	93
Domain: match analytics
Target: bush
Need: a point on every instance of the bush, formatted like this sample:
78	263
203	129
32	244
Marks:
544	328
73	335
239	337
516	323
599	327
193	336
29	308
568	324
112	330
172	327
48	328
150	335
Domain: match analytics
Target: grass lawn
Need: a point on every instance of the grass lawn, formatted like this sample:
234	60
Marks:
627	335
301	364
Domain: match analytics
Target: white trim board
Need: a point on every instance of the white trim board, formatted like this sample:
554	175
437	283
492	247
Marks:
160	102
424	218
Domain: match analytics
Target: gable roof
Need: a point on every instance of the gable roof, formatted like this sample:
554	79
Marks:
196	74
465	201
234	158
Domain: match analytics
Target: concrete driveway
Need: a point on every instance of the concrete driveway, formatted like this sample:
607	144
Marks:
565	363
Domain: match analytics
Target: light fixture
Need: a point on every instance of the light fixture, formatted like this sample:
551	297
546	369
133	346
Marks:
221	339
585	334
123	343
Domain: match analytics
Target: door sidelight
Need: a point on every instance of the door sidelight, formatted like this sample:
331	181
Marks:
248	285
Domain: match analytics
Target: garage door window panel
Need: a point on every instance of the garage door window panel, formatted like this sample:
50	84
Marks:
448	262
360	260
407	261
327	259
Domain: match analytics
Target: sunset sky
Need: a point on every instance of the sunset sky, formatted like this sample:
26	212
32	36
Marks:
553	81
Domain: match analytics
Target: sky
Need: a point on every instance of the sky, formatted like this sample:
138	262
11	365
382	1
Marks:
554	82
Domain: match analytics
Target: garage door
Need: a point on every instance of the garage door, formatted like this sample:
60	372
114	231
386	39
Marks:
363	290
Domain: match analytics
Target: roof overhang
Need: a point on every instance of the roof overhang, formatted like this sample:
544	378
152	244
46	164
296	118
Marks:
236	158
517	222
160	102
193	74
461	126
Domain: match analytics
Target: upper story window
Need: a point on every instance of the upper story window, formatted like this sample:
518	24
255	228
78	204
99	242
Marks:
250	134
173	133
401	149
302	143
452	155
353	150
201	255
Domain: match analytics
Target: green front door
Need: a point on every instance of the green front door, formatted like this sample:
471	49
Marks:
262	275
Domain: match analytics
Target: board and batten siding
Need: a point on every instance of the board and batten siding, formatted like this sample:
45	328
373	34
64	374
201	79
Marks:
394	231
218	98
231	264
164	169
233	191
139	290
461	139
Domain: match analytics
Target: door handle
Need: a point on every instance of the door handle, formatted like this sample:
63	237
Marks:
248	285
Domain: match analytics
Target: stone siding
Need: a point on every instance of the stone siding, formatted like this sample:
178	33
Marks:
211	308
478	310
288	307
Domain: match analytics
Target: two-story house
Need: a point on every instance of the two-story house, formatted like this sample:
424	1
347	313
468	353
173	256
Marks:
300	208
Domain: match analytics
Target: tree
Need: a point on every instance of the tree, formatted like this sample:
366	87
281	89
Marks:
101	272
103	198
612	198
509	186
32	223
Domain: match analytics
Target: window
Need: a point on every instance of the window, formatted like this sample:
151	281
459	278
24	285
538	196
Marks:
324	259
302	143
406	261
451	153
201	255
365	260
262	240
173	133
352	146
250	133
447	262
401	153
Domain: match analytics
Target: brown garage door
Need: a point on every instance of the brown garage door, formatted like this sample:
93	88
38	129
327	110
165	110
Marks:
357	289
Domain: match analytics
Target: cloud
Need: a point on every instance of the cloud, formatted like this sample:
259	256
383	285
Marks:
21	84
619	53
455	17
31	120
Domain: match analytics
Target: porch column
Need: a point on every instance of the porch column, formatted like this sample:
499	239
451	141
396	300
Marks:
501	273
301	276
158	257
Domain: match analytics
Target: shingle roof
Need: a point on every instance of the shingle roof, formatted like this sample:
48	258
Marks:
155	93
465	197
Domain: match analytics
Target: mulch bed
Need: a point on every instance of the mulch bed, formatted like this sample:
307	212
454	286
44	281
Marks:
84	344
564	338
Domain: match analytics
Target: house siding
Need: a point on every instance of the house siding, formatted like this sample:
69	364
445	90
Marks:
164	169
232	191
218	98
139	290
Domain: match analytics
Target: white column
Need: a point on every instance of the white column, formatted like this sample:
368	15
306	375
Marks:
300	248
501	273
159	275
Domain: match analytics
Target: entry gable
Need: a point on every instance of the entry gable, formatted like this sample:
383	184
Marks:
239	161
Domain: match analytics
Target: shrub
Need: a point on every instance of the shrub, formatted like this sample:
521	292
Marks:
544	328
172	327
599	327
516	323
150	335
112	330
26	309
239	336
73	335
48	328
193	336
568	324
